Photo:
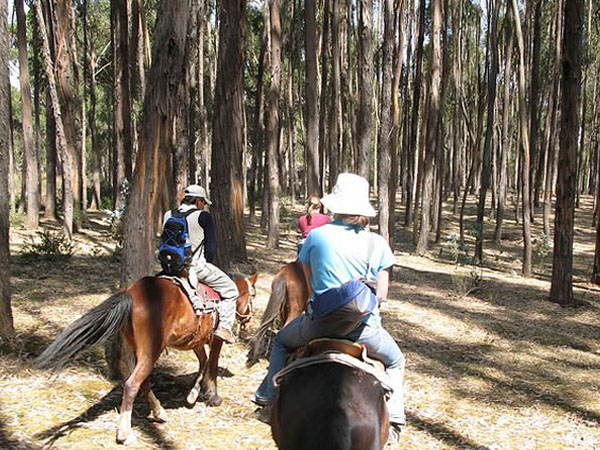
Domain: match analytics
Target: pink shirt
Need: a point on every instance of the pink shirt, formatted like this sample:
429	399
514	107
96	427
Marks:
317	220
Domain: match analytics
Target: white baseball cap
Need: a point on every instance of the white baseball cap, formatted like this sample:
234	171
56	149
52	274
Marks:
195	190
350	195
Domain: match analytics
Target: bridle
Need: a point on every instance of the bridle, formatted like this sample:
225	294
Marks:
243	318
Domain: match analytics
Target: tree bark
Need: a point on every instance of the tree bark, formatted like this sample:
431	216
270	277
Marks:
273	126
6	319
29	149
365	73
312	105
146	200
492	51
526	215
227	184
414	121
61	139
561	289
432	127
384	140
505	146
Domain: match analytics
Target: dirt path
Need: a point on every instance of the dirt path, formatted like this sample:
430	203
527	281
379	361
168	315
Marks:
490	362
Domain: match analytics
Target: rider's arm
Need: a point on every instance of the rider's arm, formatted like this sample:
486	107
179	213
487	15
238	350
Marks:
307	275
382	284
205	220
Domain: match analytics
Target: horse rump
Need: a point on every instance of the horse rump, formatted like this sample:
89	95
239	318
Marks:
92	329
330	406
289	295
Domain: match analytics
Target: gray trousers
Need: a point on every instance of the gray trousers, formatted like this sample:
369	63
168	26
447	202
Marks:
214	277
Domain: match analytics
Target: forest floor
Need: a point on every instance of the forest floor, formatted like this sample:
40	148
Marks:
491	363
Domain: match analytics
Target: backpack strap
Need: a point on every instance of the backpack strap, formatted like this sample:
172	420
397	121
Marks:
186	214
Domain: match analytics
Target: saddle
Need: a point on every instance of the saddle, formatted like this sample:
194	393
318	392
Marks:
203	299
340	351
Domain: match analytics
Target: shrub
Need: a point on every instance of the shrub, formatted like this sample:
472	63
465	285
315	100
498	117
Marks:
50	246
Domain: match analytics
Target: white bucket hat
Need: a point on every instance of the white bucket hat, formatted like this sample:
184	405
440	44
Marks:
350	195
196	190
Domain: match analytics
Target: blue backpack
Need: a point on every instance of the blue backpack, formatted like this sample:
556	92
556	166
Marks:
175	249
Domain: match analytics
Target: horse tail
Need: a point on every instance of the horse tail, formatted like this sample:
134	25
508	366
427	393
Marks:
261	343
90	330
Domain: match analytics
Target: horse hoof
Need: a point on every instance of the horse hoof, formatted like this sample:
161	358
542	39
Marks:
192	397
214	400
126	439
159	417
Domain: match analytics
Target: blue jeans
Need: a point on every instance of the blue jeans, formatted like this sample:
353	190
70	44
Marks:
380	345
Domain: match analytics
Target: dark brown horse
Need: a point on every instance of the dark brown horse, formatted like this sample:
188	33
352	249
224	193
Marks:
289	295
329	401
144	319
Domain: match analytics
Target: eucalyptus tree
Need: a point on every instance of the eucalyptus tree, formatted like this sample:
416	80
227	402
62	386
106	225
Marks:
6	319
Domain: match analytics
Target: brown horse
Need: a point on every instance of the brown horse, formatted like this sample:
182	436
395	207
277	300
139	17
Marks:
144	319
289	296
331	400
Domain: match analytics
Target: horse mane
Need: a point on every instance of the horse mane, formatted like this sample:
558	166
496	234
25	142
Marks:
261	342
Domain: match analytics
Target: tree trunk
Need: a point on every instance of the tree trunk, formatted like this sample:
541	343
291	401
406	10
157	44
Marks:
526	215
6	319
273	126
384	140
561	289
365	73
324	90
145	202
492	71
61	140
29	149
414	121
432	127
534	115
312	110
227	184
505	146
122	163
258	129
334	96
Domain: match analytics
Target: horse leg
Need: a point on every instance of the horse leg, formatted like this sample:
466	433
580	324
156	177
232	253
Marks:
158	413
209	380
196	389
131	388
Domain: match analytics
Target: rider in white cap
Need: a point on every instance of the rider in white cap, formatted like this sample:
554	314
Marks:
203	240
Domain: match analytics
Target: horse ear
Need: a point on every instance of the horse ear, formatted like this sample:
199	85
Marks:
252	278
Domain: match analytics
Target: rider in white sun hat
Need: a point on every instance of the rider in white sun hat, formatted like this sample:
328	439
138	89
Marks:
337	259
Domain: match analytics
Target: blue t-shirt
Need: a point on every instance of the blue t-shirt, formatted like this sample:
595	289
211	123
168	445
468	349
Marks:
338	253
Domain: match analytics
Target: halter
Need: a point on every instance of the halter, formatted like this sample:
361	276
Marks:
250	306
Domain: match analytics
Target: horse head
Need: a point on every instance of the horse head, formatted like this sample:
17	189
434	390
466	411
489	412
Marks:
244	305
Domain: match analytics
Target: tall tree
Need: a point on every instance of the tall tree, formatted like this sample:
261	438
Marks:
122	159
30	151
165	77
68	160
561	289
227	184
432	125
385	140
312	106
525	149
6	319
273	126
412	147
505	140
365	74
492	52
